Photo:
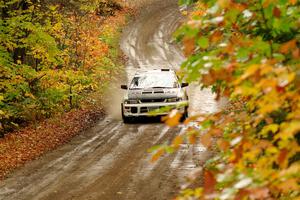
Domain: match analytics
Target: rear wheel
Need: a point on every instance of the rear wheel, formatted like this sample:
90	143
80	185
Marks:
125	119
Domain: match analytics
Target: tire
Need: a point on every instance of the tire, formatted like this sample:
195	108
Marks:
125	119
186	112
185	115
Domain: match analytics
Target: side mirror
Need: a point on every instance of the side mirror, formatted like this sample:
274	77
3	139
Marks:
184	84
124	87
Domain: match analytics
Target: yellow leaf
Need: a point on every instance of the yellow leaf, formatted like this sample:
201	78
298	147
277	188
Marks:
250	71
224	3
31	95
267	84
270	128
285	79
268	108
288	130
177	141
272	150
245	90
184	12
266	69
292	170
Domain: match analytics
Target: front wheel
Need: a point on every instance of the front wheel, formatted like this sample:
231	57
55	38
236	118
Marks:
185	115
125	119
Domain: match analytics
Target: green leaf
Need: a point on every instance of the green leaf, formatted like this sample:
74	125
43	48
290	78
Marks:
186	2
203	42
154	148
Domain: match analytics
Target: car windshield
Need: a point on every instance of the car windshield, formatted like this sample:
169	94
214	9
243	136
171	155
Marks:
154	80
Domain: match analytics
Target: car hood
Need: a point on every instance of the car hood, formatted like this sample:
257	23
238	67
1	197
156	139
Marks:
155	93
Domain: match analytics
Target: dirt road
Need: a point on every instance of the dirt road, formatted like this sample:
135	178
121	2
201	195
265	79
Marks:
110	161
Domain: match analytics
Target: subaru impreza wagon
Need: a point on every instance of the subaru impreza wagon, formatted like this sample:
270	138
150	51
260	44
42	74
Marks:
154	91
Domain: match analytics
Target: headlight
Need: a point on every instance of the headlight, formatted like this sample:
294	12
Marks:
131	101
170	91
180	94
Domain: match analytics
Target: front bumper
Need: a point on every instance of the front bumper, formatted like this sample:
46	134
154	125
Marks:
145	109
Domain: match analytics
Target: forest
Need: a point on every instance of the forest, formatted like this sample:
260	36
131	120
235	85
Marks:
52	54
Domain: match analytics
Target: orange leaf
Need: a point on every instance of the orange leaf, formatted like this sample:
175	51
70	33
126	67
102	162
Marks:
193	118
238	6
216	36
209	182
216	132
296	53
157	155
229	48
226	92
289	186
222	74
242	194
206	140
237	154
293	2
266	3
223	145
259	193
172	120
282	161
192	139
208	79
189	46
276	12
286	47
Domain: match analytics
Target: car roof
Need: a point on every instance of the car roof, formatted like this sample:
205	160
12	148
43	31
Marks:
144	71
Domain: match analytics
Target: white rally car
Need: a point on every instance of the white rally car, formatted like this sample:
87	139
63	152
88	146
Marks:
154	90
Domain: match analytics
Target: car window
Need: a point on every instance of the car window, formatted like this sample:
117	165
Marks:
154	80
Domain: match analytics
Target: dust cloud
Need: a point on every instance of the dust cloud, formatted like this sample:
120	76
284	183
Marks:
113	99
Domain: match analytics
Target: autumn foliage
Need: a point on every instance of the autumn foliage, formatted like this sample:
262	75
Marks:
56	59
53	55
246	51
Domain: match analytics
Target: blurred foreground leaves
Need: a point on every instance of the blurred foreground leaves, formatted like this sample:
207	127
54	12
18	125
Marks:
247	51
